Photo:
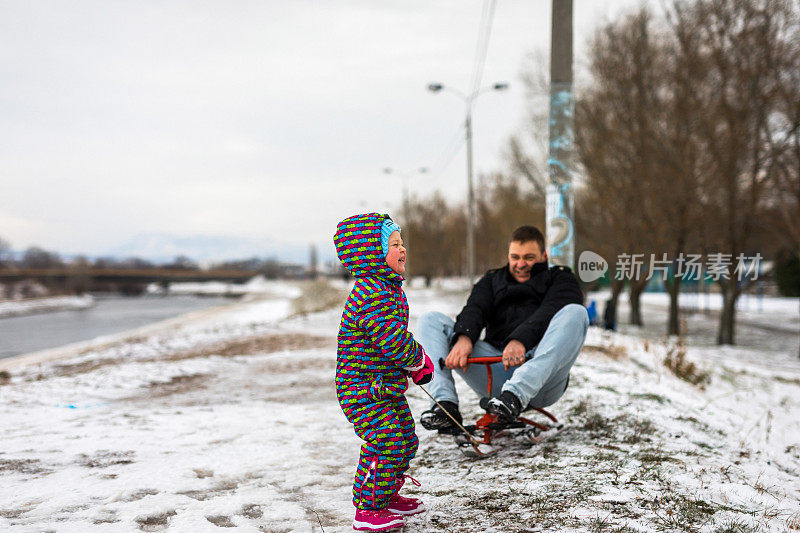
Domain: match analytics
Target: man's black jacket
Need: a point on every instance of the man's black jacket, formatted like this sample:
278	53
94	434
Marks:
512	310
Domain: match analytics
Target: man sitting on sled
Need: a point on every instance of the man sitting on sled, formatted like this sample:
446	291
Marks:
533	316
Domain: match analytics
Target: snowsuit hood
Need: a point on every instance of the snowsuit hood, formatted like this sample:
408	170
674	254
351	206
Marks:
358	246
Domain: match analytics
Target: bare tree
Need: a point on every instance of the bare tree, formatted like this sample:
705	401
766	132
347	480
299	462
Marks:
678	167
675	126
35	257
526	153
436	232
504	204
270	268
597	225
182	262
617	135
783	133
734	46
5	252
78	280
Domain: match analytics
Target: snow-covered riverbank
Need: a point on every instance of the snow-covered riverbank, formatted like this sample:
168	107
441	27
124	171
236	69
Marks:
32	306
232	420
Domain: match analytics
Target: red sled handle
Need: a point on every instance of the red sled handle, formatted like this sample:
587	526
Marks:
488	360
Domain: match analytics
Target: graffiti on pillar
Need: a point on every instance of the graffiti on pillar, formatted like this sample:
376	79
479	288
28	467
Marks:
560	227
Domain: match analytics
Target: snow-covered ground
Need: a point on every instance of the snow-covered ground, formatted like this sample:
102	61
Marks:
258	285
767	328
231	420
44	305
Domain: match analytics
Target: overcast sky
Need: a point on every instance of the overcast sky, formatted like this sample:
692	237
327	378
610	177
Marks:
257	119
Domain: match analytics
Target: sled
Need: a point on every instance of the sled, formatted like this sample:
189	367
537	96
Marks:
488	426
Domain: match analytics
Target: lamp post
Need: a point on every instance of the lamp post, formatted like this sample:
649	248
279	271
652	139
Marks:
468	101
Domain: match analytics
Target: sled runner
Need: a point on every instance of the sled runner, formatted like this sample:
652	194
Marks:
489	425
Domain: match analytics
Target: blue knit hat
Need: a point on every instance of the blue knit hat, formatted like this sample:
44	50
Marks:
387	229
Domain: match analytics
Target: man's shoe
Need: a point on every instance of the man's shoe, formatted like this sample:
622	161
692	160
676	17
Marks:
436	419
403	505
507	407
376	520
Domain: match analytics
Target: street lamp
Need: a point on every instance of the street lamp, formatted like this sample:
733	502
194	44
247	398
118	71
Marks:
468	100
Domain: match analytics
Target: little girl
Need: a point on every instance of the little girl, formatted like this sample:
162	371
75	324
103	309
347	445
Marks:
375	354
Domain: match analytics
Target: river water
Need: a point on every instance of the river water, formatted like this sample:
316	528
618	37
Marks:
110	314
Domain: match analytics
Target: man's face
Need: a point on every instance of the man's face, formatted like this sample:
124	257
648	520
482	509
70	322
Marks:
396	257
521	258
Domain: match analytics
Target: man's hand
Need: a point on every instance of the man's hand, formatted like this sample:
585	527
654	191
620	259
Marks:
514	354
458	356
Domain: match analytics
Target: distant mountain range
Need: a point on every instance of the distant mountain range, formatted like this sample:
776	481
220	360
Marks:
162	247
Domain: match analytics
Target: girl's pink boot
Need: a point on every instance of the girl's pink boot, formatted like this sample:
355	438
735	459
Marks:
405	506
376	520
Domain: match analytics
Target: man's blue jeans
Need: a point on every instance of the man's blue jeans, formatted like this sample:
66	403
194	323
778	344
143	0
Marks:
539	382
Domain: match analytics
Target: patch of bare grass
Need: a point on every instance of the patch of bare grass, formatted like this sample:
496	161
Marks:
176	385
492	502
641	428
650	397
221	521
71	369
256	345
11	513
793	522
599	424
734	525
223	487
155	522
261	344
581	408
252	511
612	351
655	456
682	513
779	379
105	458
139	494
23	466
553	504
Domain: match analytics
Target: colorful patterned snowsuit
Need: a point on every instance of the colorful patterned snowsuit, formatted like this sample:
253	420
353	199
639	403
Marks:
374	347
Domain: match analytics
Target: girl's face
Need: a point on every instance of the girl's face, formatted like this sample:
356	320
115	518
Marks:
396	258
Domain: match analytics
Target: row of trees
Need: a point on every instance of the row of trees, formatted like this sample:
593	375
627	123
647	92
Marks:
435	229
36	257
688	138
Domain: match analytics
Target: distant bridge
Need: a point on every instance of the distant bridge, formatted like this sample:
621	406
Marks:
125	279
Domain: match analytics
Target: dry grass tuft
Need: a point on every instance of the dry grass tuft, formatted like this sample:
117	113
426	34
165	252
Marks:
676	362
155	522
318	296
611	351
